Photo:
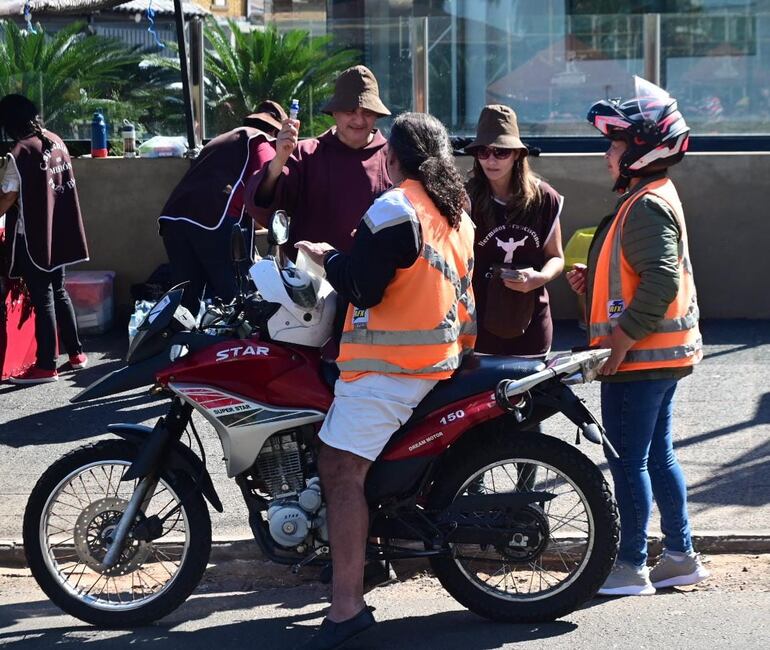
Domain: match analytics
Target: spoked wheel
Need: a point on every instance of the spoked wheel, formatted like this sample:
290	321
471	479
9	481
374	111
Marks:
549	556
69	523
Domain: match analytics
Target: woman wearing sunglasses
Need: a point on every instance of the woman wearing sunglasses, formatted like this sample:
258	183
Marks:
518	247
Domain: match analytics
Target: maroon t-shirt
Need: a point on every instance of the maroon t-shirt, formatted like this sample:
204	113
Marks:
326	187
518	243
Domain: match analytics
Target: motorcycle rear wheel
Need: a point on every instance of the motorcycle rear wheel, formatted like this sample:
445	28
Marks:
73	509
543	576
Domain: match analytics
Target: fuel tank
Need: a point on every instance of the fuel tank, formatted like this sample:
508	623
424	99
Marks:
262	371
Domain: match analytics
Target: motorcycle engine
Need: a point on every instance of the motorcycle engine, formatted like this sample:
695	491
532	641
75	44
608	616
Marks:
279	464
297	508
291	519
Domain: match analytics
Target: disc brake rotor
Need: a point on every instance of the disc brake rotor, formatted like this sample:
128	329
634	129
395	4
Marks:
94	530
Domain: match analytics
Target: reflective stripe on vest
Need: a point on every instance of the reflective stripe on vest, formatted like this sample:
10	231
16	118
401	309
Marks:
664	354
406	333
686	322
378	365
447	331
675	341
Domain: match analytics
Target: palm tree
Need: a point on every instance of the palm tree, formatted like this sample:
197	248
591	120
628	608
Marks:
69	74
245	68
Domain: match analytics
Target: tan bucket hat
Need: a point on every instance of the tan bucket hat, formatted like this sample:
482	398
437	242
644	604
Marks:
497	127
269	112
356	87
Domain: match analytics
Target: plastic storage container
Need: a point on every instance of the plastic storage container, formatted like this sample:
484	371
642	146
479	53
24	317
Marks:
91	293
162	146
576	250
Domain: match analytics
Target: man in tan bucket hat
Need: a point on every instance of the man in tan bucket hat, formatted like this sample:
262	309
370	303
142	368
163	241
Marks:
356	87
327	183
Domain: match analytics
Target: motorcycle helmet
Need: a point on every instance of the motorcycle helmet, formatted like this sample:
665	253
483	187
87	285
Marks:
305	304
651	125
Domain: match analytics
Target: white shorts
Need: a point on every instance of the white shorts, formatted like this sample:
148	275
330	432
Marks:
368	411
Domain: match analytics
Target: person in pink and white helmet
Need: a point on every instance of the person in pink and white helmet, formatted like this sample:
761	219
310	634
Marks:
651	125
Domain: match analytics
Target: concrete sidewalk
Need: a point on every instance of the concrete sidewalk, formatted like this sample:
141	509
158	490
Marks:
722	433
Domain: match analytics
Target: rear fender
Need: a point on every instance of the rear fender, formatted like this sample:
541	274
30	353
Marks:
437	431
560	397
409	458
180	458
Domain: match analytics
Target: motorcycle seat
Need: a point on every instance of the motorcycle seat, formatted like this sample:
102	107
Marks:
478	373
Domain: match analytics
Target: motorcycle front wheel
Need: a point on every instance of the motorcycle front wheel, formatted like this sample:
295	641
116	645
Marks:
550	556
71	514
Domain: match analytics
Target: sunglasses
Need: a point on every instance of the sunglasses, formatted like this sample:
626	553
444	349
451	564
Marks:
482	153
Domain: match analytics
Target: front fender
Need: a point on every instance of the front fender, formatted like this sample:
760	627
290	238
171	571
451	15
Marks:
180	458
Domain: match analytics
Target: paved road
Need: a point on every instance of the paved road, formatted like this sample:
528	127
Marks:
415	614
722	430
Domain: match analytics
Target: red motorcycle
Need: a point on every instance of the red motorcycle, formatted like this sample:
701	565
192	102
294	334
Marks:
517	526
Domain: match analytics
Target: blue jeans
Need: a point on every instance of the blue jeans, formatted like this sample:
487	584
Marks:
637	416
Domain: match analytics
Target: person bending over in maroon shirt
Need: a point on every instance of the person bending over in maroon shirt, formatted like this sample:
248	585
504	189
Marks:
326	184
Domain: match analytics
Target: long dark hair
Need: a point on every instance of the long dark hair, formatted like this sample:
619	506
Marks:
421	144
19	120
523	204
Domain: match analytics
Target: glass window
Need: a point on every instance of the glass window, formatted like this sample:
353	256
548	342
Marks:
551	59
718	67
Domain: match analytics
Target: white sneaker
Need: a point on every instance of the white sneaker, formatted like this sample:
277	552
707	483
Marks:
627	580
678	569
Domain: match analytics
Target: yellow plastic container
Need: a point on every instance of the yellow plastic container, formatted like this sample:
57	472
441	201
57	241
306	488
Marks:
576	250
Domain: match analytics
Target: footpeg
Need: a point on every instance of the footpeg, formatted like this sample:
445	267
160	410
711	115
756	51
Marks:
321	550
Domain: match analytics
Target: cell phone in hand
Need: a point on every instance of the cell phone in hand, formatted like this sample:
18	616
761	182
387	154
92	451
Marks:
513	274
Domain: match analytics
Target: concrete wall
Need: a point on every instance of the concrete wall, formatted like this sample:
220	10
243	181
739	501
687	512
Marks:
120	200
725	199
724	195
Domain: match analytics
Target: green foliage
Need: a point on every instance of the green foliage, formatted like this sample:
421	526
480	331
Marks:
71	73
245	68
68	74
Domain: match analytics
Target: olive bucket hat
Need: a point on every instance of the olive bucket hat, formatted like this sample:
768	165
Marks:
356	87
497	127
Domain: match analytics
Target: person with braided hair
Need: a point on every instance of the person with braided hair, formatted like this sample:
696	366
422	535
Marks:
44	231
410	323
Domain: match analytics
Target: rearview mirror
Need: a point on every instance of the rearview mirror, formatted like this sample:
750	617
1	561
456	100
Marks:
278	228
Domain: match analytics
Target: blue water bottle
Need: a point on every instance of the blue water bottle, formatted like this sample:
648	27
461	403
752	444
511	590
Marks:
294	109
98	136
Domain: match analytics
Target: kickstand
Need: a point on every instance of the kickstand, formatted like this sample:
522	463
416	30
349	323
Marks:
321	550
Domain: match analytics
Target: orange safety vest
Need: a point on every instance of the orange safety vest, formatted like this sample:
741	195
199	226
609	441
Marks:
676	341
425	323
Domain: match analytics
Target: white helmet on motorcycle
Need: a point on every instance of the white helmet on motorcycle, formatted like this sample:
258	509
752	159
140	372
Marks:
307	302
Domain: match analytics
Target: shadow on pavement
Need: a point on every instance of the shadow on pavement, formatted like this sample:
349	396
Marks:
79	421
443	630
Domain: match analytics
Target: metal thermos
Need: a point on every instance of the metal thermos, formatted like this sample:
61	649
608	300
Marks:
128	132
98	136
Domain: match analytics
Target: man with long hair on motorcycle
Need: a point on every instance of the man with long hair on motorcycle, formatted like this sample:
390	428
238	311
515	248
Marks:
410	323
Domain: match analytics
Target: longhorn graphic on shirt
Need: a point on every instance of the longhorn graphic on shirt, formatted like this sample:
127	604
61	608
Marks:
510	246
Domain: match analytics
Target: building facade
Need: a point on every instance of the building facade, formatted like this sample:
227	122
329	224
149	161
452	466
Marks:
550	59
